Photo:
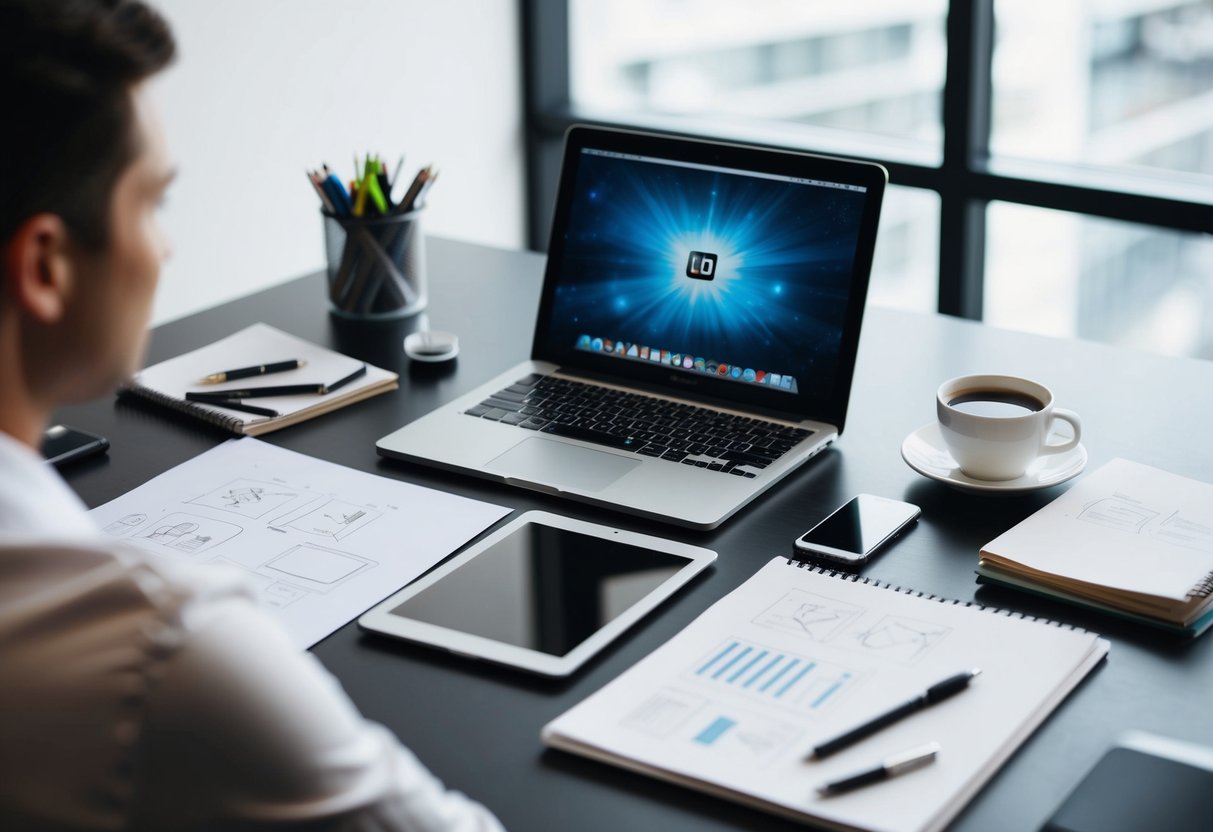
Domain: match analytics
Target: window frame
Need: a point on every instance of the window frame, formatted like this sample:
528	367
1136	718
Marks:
965	177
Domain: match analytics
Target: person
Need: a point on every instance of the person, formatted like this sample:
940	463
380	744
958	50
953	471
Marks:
136	693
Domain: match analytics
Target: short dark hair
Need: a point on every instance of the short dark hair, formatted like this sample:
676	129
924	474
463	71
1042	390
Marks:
66	71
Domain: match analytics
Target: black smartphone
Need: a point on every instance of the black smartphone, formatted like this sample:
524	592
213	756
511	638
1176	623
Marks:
62	444
854	531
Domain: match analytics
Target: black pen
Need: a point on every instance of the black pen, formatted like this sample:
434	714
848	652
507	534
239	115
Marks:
341	382
890	767
936	693
245	408
256	392
249	372
280	390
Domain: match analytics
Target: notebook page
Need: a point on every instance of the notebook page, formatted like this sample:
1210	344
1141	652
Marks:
793	657
1127	526
259	344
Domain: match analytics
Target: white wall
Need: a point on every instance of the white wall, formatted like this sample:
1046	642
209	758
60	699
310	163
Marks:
265	89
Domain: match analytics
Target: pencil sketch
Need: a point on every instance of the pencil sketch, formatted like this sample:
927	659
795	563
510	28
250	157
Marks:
327	517
126	524
741	735
315	567
270	593
664	712
813	616
250	498
901	639
189	533
1118	512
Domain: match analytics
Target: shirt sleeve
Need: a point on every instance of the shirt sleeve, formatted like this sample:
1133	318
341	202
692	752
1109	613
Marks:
242	731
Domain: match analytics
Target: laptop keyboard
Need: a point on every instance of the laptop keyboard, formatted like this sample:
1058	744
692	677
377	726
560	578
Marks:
645	425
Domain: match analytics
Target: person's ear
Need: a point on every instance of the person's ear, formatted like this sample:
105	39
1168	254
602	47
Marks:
38	268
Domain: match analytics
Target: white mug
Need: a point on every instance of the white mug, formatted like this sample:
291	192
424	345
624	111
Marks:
995	426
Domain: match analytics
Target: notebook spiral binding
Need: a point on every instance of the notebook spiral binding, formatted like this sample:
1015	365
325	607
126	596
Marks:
232	423
858	579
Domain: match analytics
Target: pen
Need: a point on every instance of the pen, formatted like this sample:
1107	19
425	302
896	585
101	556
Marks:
246	408
341	382
890	767
280	390
256	370
936	693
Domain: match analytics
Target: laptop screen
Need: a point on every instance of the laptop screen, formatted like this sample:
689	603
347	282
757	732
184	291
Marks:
677	265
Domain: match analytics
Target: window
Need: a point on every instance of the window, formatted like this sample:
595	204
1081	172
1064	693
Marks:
1051	164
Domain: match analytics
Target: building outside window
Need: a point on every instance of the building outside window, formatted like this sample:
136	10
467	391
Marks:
1082	116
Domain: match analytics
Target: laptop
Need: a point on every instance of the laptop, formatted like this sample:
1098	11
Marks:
696	336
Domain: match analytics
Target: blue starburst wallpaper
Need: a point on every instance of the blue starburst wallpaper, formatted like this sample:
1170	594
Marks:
776	299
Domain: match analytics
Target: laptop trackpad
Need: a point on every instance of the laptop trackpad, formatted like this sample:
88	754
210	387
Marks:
564	466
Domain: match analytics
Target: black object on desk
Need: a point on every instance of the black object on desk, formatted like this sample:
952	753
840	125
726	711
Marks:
62	445
938	692
1131	789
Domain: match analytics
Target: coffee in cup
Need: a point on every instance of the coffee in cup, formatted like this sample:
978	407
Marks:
995	426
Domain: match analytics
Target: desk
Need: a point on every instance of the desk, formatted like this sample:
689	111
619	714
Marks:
478	727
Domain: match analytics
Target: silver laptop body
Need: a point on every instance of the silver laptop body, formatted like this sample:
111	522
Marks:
726	279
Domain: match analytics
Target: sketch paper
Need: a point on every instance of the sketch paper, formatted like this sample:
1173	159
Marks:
1126	526
319	542
734	703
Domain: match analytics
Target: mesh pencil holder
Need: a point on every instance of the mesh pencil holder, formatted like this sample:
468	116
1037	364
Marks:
376	265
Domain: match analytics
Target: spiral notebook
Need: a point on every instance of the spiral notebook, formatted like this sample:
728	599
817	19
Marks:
167	383
1128	539
734	703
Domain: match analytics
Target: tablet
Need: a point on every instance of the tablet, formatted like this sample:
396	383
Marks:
543	593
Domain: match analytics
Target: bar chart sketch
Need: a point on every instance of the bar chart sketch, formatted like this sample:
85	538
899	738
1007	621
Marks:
751	670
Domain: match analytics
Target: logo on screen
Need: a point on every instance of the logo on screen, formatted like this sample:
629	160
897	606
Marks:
701	265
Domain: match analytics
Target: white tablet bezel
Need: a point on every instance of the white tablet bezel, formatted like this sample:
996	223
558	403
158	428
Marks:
381	619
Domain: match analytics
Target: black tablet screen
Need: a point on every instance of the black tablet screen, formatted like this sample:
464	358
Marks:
543	588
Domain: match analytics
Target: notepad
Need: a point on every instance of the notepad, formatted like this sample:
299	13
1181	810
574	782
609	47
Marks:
734	703
1127	539
167	382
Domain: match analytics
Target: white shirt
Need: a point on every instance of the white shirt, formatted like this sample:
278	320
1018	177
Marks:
144	693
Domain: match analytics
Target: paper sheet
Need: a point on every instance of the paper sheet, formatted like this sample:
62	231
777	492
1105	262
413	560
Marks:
321	543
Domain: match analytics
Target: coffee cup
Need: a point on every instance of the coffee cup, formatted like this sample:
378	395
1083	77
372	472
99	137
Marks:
995	426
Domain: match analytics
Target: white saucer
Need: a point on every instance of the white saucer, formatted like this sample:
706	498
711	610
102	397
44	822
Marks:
924	451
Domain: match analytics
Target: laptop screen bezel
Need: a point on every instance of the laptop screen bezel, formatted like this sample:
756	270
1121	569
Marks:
829	407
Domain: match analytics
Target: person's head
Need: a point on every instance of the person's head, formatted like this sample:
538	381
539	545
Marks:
85	167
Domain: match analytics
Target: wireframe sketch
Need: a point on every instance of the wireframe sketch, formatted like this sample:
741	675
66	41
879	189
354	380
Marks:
314	567
664	712
126	524
271	593
741	734
814	616
250	498
901	639
189	533
772	675
1118	512
1187	532
329	517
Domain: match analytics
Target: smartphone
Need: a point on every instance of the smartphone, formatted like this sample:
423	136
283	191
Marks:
855	531
62	444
